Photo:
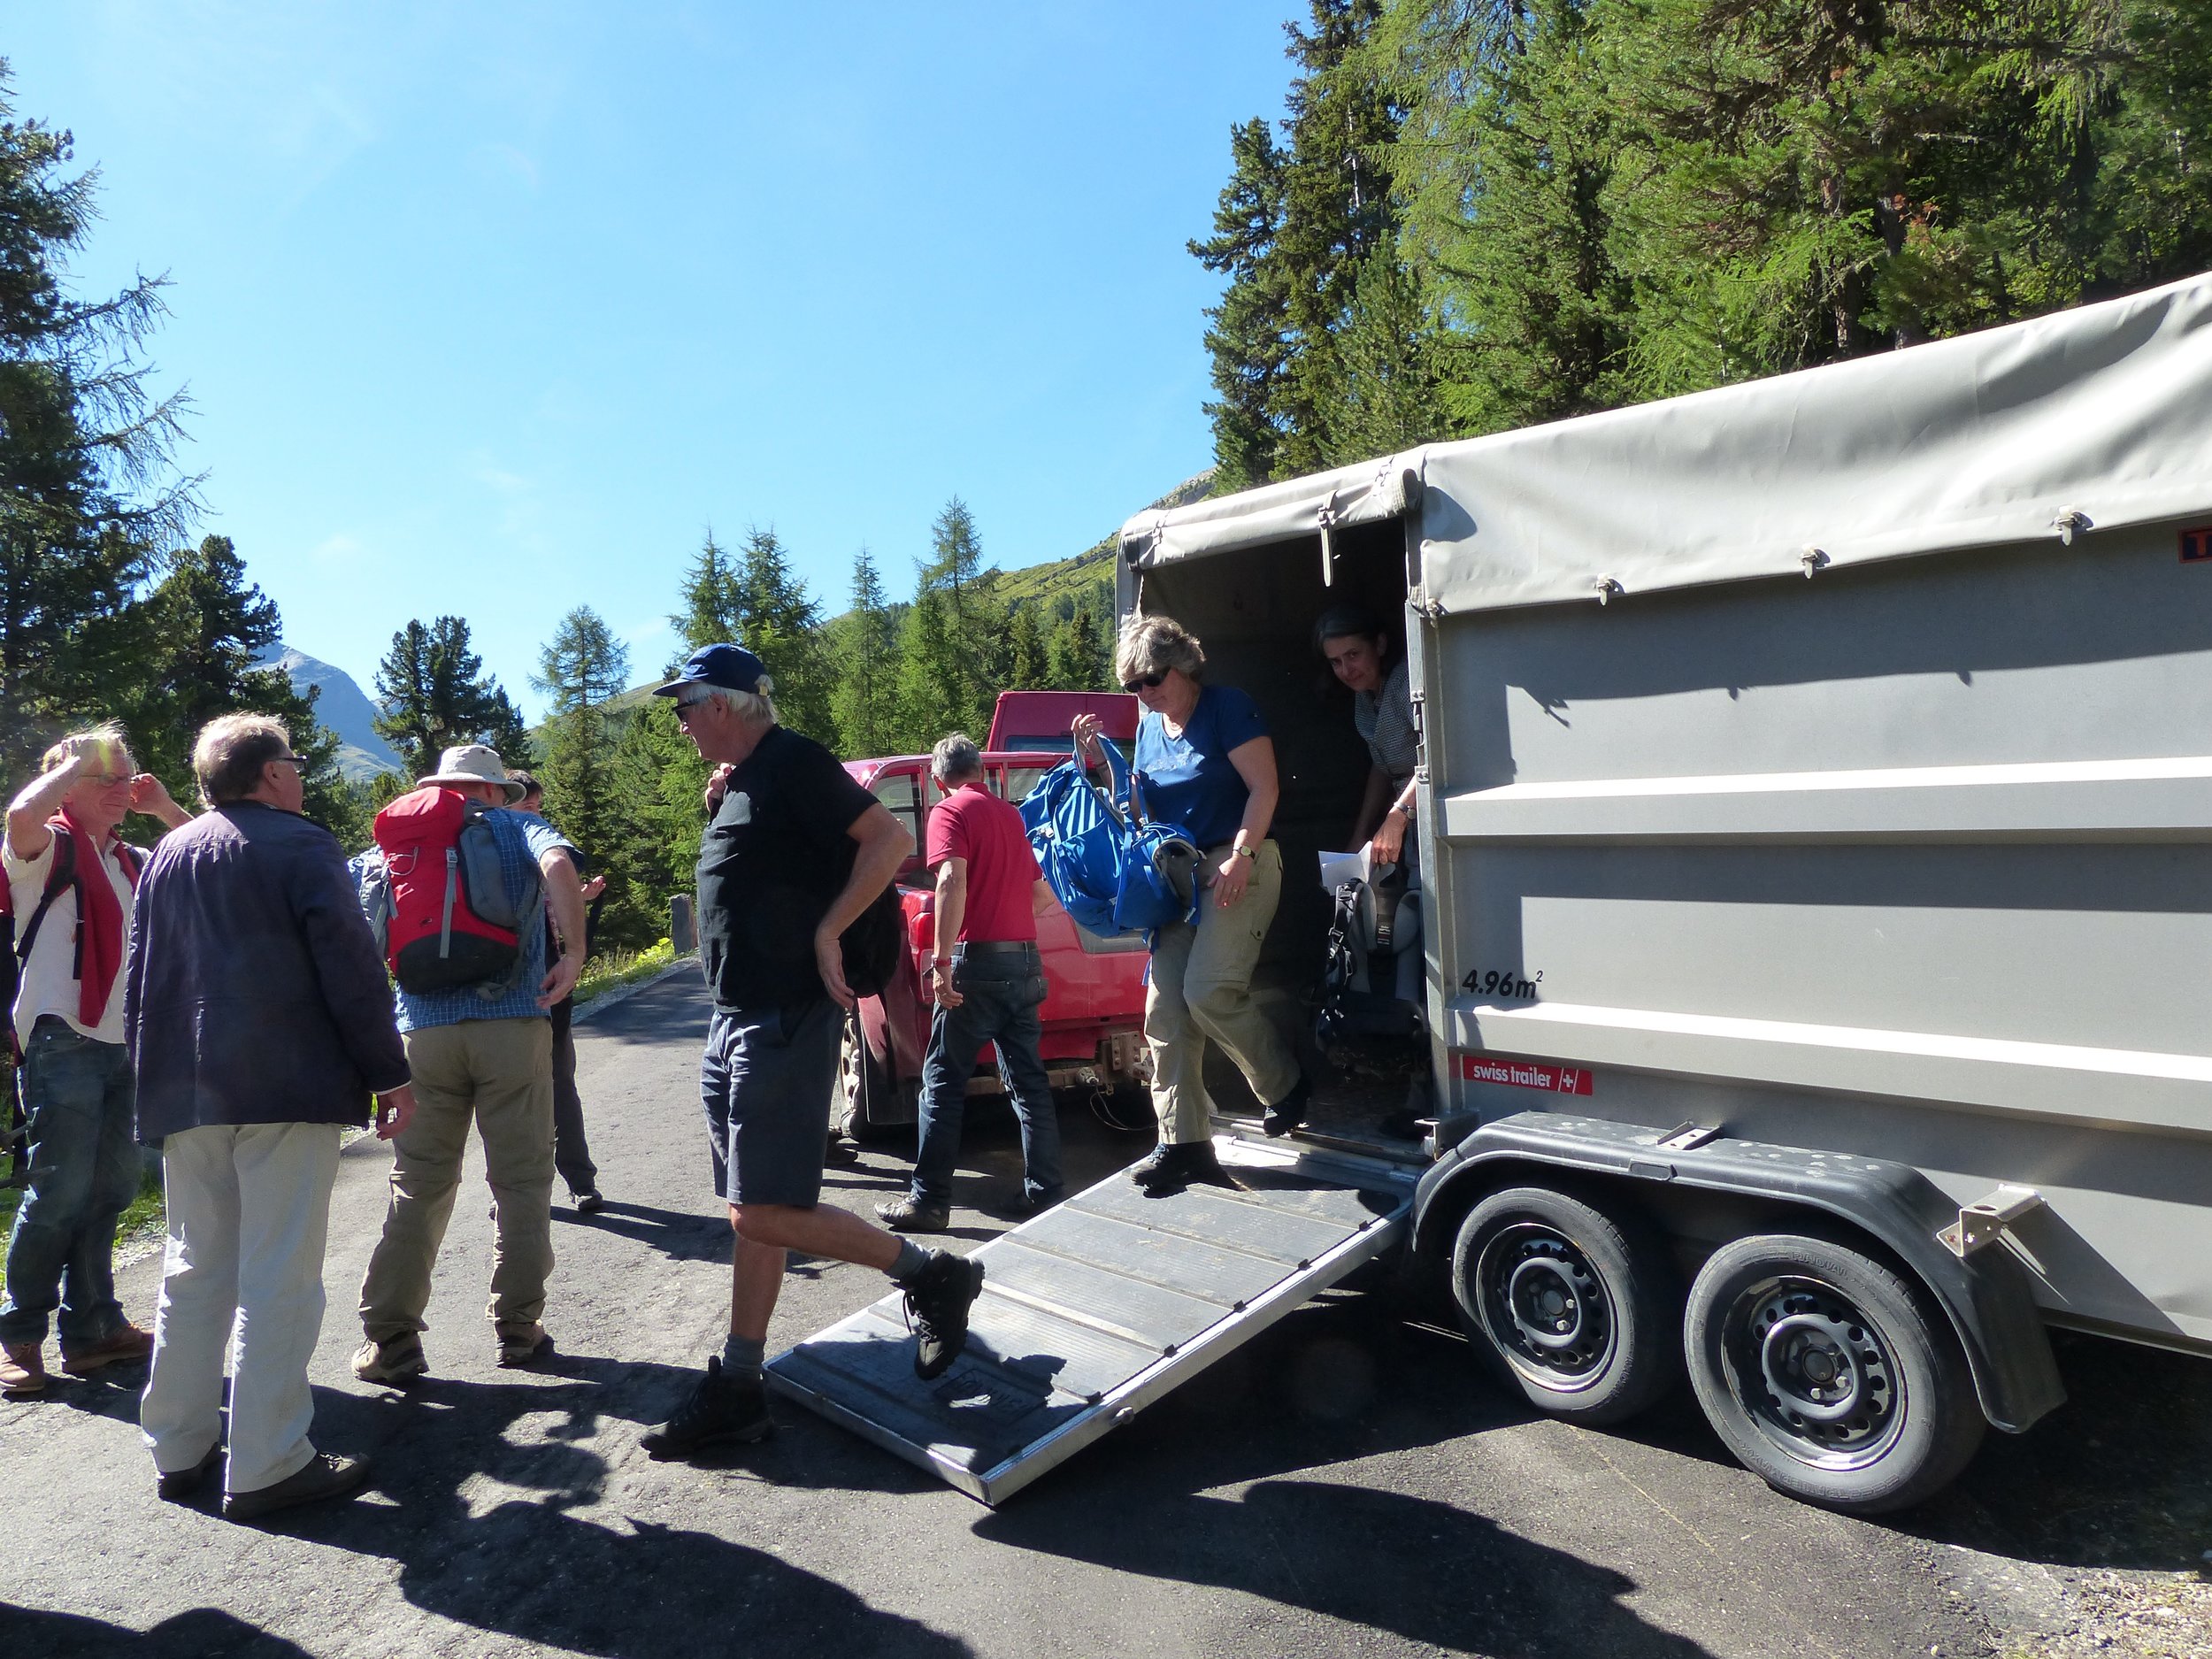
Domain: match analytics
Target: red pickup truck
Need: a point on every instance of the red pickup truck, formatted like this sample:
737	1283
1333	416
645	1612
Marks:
1093	1016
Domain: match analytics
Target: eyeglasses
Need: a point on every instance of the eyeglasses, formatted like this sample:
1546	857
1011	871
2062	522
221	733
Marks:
107	780
294	759
1150	681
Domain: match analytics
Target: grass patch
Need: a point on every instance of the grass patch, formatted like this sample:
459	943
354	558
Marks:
145	1220
615	969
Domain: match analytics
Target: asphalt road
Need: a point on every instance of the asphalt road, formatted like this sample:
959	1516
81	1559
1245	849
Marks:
1346	1484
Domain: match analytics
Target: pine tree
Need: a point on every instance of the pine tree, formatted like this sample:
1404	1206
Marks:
580	671
865	650
1247	334
1027	668
436	695
195	643
780	623
710	612
968	662
934	677
86	490
1078	659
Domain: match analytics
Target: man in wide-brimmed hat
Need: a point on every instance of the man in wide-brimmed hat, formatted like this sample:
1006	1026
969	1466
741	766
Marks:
486	1053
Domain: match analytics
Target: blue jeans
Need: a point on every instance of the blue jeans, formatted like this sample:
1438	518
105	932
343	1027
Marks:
78	1101
1003	992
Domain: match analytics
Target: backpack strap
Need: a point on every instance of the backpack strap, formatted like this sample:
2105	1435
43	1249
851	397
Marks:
64	874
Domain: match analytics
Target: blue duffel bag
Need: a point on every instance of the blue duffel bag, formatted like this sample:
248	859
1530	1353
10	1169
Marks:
1113	873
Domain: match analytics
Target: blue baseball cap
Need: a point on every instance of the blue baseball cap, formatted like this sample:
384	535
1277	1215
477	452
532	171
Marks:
731	667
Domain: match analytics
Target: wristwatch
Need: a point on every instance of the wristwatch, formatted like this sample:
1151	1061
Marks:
1248	852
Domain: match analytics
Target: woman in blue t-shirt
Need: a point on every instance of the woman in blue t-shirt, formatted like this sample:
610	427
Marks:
1205	765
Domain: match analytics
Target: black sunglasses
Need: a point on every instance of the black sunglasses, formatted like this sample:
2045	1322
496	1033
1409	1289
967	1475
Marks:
1150	681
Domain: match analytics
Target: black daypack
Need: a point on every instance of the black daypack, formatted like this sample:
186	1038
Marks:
870	946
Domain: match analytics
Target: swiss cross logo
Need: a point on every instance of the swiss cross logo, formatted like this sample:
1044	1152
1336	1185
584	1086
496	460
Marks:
2196	545
1555	1080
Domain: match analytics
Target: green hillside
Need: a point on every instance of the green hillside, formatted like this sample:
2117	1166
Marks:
1056	589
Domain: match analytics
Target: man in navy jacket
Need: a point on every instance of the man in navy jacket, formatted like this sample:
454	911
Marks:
261	1023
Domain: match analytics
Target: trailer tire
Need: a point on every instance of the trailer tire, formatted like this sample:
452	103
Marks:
1830	1377
1571	1301
863	1079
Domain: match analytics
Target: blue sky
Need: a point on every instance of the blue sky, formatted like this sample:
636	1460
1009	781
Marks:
493	309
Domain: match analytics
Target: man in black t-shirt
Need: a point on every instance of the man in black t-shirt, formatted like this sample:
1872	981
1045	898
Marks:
795	851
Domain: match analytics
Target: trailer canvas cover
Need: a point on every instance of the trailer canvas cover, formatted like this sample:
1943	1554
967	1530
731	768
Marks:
2095	418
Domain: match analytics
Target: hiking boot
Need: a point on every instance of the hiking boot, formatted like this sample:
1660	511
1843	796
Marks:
1171	1168
174	1486
1289	1113
912	1215
324	1475
521	1344
723	1408
1022	1203
937	1303
588	1202
126	1346
23	1370
395	1362
839	1150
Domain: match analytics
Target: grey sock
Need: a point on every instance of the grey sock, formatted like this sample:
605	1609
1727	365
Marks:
912	1259
742	1354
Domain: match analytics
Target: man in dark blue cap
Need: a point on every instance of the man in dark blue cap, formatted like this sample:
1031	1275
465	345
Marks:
795	851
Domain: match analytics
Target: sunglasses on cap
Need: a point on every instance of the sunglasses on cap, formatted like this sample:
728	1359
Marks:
1150	681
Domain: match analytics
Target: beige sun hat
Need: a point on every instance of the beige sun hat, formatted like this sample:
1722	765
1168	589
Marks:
474	763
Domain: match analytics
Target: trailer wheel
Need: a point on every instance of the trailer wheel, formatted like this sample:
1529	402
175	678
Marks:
863	1080
1828	1375
1574	1305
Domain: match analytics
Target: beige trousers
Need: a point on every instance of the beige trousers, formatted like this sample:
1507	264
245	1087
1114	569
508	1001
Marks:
499	1072
248	1214
1201	991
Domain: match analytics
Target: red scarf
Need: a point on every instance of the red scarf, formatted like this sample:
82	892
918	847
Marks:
99	917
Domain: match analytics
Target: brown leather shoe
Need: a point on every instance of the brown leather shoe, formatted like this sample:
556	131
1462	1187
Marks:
23	1370
126	1346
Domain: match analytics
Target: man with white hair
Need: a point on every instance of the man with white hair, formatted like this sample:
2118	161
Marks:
486	1058
795	852
71	881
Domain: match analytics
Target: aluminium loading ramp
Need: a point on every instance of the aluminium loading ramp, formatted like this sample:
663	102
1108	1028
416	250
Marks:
1098	1306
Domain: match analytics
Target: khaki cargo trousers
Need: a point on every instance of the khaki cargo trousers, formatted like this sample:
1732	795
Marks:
1202	992
499	1072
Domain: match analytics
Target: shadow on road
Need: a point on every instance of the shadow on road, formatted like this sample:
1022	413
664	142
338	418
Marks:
1339	1381
480	1527
193	1635
2119	1476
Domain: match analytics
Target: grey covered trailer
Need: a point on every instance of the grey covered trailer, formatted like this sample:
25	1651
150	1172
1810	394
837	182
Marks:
1816	781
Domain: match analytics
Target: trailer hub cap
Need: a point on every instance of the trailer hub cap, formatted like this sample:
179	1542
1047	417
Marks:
1815	1372
1544	1306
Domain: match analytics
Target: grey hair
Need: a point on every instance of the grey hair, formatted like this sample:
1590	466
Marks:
108	732
956	759
231	752
1150	644
755	708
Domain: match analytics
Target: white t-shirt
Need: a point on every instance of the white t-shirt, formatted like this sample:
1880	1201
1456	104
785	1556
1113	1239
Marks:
49	984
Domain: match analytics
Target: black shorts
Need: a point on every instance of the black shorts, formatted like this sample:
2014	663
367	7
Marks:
765	1080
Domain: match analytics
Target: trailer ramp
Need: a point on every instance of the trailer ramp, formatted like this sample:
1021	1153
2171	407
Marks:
1098	1306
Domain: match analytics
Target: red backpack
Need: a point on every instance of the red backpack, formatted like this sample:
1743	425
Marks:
438	902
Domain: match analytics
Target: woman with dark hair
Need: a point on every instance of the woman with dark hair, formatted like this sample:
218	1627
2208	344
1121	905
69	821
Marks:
1206	765
1357	647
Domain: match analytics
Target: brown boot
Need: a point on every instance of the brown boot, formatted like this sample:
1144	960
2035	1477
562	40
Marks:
23	1370
126	1345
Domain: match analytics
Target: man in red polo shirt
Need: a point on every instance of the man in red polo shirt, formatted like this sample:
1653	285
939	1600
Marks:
988	980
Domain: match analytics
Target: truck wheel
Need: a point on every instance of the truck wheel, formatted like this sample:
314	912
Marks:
1829	1376
1574	1305
862	1080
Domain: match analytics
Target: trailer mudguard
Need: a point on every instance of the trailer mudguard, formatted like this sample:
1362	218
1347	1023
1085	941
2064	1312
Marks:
1986	1295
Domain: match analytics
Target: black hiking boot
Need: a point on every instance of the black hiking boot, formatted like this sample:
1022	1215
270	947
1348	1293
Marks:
1170	1169
1289	1113
937	1304
722	1410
